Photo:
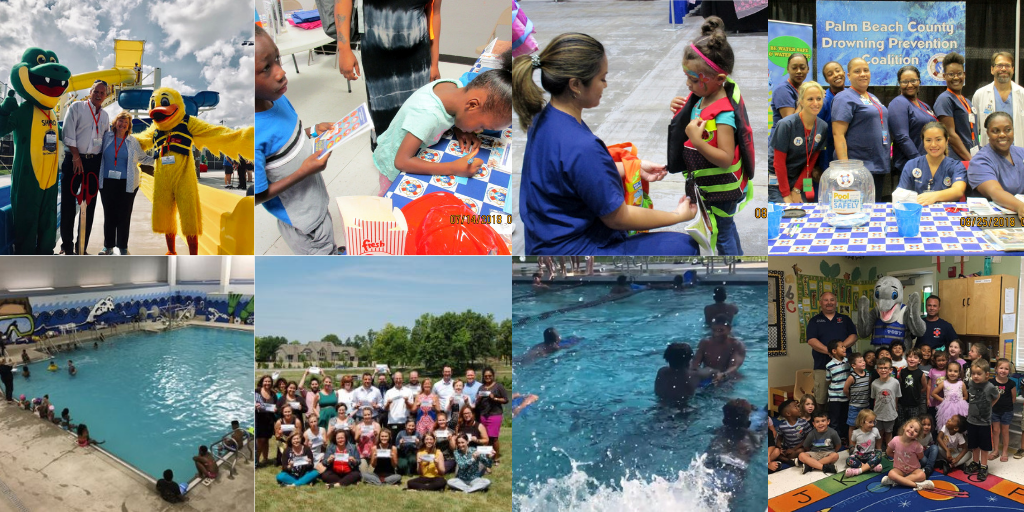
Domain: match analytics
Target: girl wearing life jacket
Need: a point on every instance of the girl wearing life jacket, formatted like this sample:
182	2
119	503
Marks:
710	138
573	201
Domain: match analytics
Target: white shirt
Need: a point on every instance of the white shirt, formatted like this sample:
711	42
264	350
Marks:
345	397
364	397
82	130
444	391
984	105
414	388
398	411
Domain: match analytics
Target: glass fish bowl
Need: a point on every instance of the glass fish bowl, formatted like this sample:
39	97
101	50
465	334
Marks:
846	188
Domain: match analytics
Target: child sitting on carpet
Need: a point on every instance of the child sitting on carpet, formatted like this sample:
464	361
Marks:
906	453
792	431
927	440
820	446
483	104
952	444
864	441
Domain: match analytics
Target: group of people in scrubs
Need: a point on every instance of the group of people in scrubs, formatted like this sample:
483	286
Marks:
939	153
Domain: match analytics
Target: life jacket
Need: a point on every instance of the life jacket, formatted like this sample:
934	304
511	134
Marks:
636	189
886	333
177	139
716	185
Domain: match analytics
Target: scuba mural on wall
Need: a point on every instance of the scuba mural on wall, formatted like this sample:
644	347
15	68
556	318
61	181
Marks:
23	319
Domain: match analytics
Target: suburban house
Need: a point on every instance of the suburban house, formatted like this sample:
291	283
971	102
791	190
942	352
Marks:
314	352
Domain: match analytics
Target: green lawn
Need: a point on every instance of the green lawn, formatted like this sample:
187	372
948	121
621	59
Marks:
272	497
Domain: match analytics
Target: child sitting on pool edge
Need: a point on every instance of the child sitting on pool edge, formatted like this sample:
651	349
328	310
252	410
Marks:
484	104
83	436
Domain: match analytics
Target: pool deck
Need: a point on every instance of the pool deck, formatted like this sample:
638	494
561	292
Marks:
36	352
44	469
743	273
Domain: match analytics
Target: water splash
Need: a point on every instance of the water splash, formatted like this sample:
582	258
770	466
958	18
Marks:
692	489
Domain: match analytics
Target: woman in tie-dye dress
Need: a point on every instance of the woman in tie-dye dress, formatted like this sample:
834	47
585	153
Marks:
399	52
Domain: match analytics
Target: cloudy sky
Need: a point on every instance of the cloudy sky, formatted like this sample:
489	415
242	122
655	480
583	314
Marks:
303	298
196	43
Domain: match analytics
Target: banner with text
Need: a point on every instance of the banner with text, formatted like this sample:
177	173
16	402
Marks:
890	35
784	39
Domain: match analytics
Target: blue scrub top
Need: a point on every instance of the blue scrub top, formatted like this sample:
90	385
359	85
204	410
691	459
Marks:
1002	106
569	181
988	165
867	137
784	96
906	121
949	172
948	105
825	157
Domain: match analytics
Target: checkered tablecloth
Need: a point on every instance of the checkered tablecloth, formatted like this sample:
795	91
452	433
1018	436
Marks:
941	233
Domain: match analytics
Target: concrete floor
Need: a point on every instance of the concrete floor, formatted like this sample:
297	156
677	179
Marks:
142	239
644	74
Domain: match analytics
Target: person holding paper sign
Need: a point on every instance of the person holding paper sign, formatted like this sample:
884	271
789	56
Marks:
286	426
309	395
408	444
860	127
314	436
489	406
445	441
430	466
397	402
292	399
470	461
265	417
345	393
340	422
796	141
288	180
934	177
459	398
384	462
367	395
997	171
341	464
469	426
426	407
296	464
445	388
366	432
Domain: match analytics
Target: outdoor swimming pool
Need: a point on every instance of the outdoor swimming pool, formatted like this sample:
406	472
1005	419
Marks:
154	398
597	438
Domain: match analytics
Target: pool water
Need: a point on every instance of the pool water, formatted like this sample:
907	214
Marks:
597	439
154	398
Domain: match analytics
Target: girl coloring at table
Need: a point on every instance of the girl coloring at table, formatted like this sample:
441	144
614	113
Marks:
934	176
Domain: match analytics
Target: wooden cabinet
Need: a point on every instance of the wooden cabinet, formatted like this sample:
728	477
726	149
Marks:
974	306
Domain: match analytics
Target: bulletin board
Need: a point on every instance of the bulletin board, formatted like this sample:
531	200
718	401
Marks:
847	292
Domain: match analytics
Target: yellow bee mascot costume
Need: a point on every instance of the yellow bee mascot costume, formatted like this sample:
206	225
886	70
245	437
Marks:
40	79
174	133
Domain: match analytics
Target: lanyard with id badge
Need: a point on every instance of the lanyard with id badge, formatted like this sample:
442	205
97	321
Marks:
881	118
97	140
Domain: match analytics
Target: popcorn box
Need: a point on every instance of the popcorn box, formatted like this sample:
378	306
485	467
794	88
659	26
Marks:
372	225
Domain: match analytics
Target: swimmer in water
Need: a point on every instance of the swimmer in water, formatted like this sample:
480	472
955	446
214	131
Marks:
71	368
676	284
552	343
720	307
677	382
538	285
621	286
721	353
53	367
733	446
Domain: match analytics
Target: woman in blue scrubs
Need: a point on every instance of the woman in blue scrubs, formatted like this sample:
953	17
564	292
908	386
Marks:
572	199
835	76
784	97
860	127
935	177
907	117
997	171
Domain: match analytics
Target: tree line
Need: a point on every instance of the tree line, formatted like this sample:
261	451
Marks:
455	339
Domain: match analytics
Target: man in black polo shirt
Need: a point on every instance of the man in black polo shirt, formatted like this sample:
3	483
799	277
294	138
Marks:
937	332
824	327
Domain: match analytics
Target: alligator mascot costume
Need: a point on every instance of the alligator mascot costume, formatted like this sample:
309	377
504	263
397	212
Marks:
891	320
176	188
41	80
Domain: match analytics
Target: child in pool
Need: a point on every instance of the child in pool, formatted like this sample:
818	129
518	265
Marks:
83	436
71	368
677	382
733	445
906	453
24	371
53	367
